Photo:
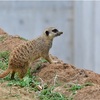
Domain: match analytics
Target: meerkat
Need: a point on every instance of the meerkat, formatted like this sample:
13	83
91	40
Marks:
22	55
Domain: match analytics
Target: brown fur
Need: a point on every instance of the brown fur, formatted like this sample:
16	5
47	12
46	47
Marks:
22	55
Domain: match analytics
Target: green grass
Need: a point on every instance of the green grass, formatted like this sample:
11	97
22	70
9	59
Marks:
2	38
22	38
4	57
76	87
48	94
32	83
43	60
27	81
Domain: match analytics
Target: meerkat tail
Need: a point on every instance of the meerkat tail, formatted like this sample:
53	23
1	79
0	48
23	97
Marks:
5	73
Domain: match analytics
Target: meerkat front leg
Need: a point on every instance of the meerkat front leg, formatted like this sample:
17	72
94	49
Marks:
49	59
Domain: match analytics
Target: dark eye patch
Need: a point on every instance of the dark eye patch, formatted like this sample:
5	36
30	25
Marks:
54	30
47	33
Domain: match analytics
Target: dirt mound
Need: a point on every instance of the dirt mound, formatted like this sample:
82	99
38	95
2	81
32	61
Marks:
8	42
66	73
2	32
52	74
14	93
88	93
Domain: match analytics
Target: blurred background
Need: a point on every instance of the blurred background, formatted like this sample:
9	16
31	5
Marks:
79	20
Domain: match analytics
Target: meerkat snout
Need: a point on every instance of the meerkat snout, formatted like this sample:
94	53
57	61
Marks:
58	33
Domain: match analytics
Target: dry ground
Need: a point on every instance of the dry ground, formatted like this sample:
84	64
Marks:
61	73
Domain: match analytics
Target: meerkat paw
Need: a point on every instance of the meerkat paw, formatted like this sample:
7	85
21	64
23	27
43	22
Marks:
55	62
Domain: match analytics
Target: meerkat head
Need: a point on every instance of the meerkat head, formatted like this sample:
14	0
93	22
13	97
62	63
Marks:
52	32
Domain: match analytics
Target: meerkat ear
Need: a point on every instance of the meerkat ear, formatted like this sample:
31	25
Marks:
47	33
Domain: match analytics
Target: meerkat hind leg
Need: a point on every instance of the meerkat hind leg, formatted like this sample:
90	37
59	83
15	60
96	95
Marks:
12	75
22	72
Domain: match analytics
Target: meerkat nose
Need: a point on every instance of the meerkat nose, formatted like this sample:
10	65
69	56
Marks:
61	32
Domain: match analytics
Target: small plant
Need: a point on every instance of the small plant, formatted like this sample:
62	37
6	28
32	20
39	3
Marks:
76	87
48	94
4	56
43	60
25	82
4	59
2	38
22	38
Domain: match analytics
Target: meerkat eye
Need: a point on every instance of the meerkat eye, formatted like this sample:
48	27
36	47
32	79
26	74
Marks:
54	30
47	33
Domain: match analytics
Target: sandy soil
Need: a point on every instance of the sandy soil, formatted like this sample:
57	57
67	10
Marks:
60	73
